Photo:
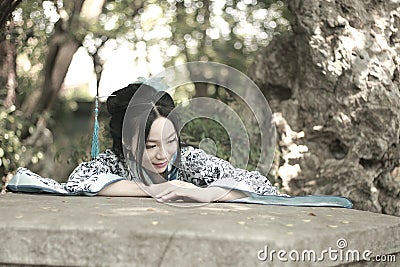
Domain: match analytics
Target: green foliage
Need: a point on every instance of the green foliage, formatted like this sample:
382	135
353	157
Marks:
178	31
202	128
198	129
74	142
32	28
78	149
229	32
13	152
222	129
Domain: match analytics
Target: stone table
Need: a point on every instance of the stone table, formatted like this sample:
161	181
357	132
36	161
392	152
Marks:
128	231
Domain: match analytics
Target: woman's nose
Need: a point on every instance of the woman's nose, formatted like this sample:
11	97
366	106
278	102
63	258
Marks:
160	153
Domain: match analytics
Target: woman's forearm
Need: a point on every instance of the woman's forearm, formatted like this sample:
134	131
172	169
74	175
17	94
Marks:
127	188
223	194
124	188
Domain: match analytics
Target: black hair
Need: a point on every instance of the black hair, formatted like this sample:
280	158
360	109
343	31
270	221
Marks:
117	105
133	110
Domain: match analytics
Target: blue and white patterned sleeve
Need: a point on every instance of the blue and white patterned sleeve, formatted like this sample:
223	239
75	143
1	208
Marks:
88	178
204	170
91	177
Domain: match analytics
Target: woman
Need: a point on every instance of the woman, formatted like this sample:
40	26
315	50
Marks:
155	162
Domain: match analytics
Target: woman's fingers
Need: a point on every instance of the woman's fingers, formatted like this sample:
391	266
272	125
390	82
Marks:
171	196
164	192
185	194
155	189
173	193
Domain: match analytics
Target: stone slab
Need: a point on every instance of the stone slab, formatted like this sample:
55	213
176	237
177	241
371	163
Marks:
128	231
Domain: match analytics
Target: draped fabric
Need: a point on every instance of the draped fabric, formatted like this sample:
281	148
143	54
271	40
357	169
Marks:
196	167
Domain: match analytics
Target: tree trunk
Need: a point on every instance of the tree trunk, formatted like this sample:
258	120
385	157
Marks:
8	71
8	54
333	85
62	47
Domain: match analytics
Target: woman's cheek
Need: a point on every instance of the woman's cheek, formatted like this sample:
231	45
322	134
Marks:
171	149
147	156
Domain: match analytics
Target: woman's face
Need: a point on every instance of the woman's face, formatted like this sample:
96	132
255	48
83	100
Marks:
161	145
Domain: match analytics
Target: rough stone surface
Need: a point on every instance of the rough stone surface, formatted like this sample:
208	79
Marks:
333	84
103	231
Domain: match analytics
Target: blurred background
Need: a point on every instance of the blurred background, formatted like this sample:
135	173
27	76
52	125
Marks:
330	71
63	52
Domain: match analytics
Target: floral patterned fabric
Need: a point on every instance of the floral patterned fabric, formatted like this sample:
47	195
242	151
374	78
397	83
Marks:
203	170
197	167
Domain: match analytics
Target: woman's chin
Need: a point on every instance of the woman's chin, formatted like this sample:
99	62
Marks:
161	171
157	170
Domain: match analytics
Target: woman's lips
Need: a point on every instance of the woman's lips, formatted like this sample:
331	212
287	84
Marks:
160	165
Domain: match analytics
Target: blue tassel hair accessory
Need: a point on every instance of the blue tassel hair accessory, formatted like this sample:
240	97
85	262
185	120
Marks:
95	151
95	138
155	82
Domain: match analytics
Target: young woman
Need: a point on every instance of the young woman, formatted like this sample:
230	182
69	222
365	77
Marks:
147	159
146	130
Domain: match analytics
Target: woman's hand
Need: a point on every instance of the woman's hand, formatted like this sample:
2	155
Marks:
179	190
155	189
197	194
188	194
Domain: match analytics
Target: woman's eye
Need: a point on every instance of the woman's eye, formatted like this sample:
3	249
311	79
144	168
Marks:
172	140
149	147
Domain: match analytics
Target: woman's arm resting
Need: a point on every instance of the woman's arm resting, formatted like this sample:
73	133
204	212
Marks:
124	188
222	194
209	194
127	188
